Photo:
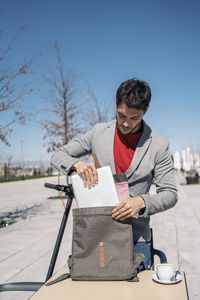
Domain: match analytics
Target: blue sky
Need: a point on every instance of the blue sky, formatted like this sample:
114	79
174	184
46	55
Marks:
108	42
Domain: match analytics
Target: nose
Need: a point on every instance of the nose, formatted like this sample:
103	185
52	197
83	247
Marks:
125	124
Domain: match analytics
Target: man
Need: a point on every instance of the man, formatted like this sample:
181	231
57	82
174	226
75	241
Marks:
127	145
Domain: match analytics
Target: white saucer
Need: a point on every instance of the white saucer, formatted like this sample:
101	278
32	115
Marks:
178	279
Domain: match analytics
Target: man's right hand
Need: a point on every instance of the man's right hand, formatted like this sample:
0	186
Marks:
88	172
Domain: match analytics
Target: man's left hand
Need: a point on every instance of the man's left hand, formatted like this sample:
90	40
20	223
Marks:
128	208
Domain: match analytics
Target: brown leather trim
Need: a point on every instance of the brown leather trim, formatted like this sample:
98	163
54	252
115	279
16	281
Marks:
101	255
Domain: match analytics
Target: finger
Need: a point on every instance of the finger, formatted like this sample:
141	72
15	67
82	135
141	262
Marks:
126	216
84	174
118	207
128	213
117	211
123	213
94	171
121	208
90	178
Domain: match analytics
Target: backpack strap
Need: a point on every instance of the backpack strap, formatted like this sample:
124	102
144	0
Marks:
58	279
63	276
138	259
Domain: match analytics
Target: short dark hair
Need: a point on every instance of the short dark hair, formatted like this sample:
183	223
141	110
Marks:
134	93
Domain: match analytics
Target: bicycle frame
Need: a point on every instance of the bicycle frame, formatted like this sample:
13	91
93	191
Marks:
34	286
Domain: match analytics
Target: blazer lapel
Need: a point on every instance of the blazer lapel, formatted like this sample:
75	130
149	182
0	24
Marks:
109	145
141	149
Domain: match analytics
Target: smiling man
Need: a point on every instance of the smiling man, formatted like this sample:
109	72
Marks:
128	145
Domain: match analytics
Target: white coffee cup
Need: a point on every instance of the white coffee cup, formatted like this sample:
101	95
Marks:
165	272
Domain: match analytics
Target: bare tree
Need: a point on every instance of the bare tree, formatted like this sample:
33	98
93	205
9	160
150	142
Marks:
63	122
13	88
96	110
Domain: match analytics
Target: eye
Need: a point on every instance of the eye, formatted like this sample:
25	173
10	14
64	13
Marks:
121	116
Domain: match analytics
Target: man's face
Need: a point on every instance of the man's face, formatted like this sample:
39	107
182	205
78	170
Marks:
129	119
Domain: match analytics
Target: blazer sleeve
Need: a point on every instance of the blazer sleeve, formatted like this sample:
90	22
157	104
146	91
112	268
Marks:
65	157
165	182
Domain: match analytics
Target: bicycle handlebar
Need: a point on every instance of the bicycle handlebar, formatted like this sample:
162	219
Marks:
52	186
61	188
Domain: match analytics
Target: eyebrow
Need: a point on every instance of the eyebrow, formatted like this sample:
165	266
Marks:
126	116
121	113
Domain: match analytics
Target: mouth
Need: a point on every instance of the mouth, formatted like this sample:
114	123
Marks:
125	129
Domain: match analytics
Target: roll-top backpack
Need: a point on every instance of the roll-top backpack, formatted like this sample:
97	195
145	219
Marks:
102	247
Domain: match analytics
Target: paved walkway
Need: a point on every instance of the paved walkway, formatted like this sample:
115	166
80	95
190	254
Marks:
26	246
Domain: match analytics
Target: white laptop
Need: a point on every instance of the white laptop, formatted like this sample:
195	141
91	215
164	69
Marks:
102	194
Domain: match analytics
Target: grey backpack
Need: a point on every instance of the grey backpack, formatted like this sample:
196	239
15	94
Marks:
102	248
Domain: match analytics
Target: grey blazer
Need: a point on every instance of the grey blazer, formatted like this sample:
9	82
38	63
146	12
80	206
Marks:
152	163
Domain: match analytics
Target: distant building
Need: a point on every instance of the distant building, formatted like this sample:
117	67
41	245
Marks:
187	162
177	160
